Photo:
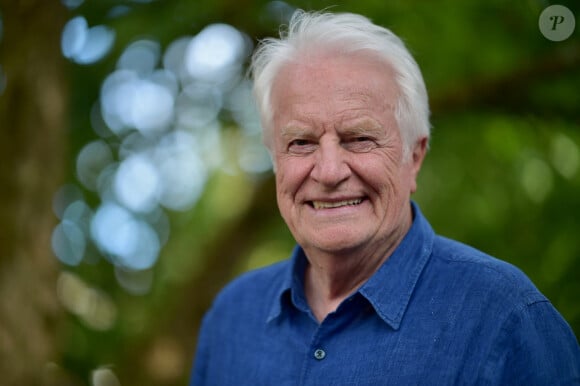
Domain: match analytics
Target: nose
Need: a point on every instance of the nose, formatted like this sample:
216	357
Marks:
331	167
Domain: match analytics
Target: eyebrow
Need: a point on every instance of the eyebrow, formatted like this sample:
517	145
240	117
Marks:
288	132
364	127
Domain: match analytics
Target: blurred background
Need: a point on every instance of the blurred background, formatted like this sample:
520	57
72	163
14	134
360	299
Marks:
133	183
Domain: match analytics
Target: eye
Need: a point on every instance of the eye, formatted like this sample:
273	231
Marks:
301	146
360	144
299	142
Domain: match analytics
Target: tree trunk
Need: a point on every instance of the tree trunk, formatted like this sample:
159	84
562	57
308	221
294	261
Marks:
32	142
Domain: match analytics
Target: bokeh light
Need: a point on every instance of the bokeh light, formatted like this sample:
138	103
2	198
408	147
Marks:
565	155
69	243
141	56
137	184
91	305
160	118
135	282
72	4
182	172
124	238
198	106
216	53
93	158
104	376
83	44
537	179
279	11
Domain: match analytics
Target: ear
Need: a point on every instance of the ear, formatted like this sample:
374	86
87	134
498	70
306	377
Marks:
416	160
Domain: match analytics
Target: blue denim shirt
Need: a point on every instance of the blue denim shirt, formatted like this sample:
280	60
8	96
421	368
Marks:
436	313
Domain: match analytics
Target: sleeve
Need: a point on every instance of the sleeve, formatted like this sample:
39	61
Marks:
535	346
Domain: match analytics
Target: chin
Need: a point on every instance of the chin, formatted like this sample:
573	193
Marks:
336	242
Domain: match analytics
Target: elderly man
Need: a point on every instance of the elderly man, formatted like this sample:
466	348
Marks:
370	295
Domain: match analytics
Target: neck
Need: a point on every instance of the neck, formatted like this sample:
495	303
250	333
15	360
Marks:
331	277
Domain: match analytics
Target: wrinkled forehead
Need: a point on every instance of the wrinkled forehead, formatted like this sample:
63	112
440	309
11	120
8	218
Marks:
335	77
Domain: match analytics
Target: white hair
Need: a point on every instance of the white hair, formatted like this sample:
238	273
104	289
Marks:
344	33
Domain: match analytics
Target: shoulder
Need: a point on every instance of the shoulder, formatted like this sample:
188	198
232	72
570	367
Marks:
525	338
253	288
236	317
260	279
480	271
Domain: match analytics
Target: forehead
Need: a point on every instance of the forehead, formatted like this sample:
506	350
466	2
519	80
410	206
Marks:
334	84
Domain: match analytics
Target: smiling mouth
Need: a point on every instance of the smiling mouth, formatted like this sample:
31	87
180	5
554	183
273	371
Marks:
335	204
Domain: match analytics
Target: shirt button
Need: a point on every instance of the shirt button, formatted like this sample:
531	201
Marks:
319	354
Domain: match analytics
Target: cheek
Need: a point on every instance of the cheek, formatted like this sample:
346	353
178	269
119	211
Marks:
386	178
286	189
283	175
290	174
283	197
382	172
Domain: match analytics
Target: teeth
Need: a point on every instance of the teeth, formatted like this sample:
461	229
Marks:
327	205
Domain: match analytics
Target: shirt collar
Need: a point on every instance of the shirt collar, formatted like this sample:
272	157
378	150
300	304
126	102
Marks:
388	290
391	287
292	286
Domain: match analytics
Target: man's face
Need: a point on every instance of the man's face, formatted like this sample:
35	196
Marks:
342	184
